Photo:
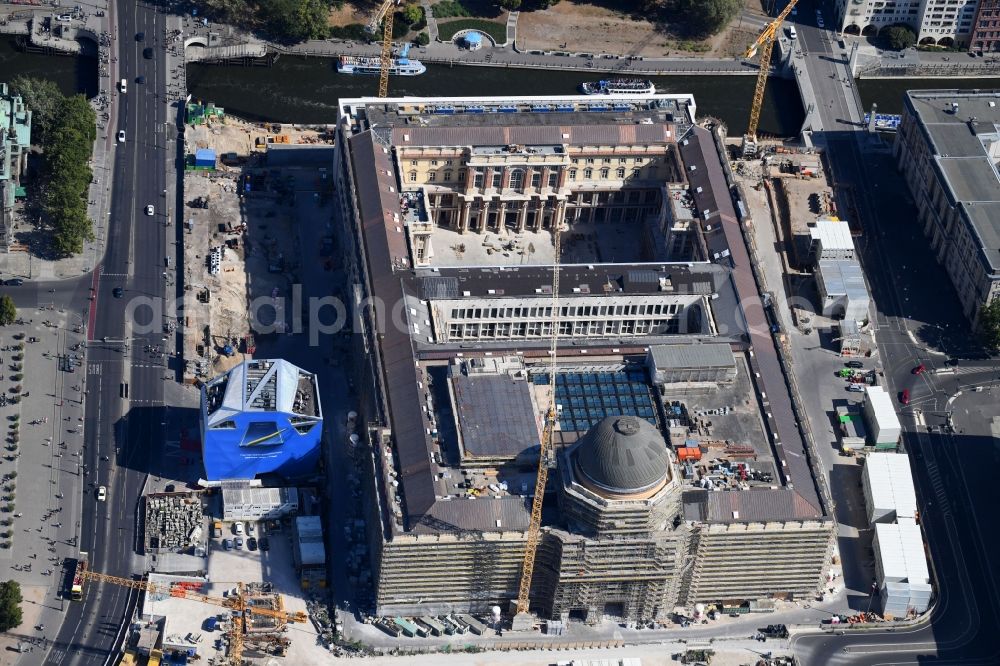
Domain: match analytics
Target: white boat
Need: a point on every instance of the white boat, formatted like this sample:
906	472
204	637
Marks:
401	66
619	86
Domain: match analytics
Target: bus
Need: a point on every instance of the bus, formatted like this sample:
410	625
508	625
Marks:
76	591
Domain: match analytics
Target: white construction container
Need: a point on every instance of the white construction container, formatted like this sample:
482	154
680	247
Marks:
901	568
880	414
888	488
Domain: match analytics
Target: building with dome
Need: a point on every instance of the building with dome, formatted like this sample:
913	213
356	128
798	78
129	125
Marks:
679	473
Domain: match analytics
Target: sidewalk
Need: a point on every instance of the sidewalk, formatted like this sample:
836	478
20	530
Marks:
23	263
447	53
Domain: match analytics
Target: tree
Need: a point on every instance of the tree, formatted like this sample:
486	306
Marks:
413	14
989	324
511	5
296	20
704	17
900	37
43	98
423	39
8	311
10	605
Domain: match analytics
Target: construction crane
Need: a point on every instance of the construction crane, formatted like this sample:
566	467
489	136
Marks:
545	452
385	60
763	45
242	611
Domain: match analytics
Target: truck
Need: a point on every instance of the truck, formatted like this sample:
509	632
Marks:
76	590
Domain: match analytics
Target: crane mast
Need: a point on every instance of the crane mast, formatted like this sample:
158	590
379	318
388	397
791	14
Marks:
385	59
545	452
237	603
763	45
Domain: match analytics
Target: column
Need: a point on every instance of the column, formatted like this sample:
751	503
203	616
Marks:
463	218
522	216
560	214
502	214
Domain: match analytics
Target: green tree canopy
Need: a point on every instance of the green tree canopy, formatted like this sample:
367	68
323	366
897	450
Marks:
989	324
43	98
10	605
8	313
413	13
296	20
511	5
702	17
900	37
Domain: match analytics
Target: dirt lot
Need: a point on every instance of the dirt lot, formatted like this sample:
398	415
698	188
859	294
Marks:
350	13
254	232
580	26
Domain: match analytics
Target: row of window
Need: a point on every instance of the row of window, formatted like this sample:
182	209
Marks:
588	174
567	311
543	329
607	160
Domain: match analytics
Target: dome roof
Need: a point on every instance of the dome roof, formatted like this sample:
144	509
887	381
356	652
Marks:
623	455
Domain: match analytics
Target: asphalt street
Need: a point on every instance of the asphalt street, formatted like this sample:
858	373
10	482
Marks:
126	432
918	321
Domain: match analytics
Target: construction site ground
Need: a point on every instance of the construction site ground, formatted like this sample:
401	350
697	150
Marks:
274	566
256	232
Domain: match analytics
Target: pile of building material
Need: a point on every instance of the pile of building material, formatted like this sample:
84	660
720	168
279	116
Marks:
173	522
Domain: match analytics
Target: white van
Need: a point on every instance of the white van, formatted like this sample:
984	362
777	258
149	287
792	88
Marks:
791	33
123	86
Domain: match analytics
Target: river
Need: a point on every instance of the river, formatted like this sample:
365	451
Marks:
306	90
71	74
888	93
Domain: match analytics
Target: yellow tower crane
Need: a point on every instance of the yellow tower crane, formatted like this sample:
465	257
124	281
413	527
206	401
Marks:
544	455
242	611
384	12
763	46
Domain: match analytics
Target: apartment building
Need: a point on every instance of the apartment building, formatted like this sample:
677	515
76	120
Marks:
948	148
986	28
943	22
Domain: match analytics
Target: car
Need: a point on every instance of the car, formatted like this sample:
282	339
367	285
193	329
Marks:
919	370
102	493
149	209
14	282
123	86
250	528
904	397
140	79
239	543
265	545
117	292
251	544
238	528
121	136
227	544
147	53
140	36
854	364
856	388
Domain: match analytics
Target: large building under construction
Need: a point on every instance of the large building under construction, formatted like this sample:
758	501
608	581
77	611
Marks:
680	473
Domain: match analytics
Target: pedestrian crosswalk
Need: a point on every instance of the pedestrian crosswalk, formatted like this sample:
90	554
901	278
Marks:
937	485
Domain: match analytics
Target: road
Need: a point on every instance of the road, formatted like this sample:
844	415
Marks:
917	322
125	432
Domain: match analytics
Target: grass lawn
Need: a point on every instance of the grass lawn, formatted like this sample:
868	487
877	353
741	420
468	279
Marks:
498	31
466	8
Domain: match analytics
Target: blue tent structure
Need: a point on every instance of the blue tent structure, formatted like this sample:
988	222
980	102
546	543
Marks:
204	158
261	417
